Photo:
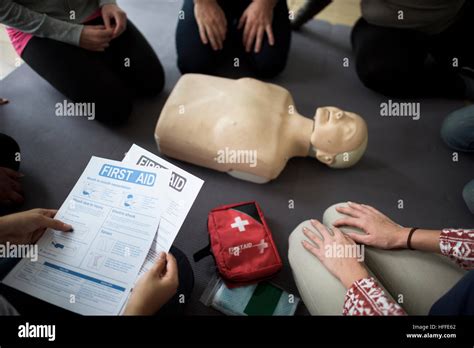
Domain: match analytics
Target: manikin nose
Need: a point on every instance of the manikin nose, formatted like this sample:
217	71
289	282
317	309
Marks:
339	115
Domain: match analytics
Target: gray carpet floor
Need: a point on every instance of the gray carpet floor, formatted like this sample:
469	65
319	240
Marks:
405	159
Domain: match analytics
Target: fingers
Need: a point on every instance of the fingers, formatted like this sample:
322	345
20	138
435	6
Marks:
171	267
246	33
120	23
350	211
259	39
212	38
251	36
14	197
321	228
372	209
349	221
222	30
357	237
357	206
160	265
107	22
51	213
98	27
312	249
313	237
13	174
242	21
15	185
271	38
202	33
47	222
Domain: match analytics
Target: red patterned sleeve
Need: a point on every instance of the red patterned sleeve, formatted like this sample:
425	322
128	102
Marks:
458	245
366	297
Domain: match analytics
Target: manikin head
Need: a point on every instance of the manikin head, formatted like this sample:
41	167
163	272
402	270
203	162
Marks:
339	138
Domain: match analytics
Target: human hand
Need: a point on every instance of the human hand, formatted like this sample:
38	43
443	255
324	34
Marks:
10	187
155	287
347	268
114	19
380	231
257	20
96	37
28	226
211	22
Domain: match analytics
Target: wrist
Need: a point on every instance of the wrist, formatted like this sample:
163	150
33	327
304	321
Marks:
353	275
401	238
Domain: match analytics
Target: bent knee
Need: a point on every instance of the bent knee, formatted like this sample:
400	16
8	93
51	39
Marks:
468	195
457	130
114	112
196	65
269	68
154	82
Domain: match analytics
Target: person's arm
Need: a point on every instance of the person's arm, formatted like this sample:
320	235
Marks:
458	245
364	296
28	226
38	24
383	233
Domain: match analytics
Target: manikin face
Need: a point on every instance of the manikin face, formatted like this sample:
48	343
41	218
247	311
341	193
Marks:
336	131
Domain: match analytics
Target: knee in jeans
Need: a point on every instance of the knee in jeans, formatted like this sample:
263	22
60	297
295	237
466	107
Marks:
380	76
468	195
188	64
457	130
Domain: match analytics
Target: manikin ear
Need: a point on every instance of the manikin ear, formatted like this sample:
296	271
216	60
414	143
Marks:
325	157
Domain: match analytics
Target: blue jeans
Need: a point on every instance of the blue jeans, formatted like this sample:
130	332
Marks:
458	133
459	300
458	130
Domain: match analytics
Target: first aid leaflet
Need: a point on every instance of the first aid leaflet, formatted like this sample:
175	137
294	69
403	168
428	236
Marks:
115	210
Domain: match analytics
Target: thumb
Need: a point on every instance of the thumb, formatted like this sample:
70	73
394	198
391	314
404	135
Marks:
106	19
57	225
171	266
159	265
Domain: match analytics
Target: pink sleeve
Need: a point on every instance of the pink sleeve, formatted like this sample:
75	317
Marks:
366	297
458	245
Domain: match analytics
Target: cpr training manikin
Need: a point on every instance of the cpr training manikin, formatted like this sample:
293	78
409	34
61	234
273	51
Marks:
250	129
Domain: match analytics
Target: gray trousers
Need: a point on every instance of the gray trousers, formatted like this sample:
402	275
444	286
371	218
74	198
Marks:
414	279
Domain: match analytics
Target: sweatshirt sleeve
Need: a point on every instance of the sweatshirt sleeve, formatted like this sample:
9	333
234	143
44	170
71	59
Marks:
458	245
366	297
21	18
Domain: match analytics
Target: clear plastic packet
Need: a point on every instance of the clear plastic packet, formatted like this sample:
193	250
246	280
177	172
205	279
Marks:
264	298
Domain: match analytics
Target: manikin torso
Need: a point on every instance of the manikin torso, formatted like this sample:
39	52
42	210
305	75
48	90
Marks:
222	124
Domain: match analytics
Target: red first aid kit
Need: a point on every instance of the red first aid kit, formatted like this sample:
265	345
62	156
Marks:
241	243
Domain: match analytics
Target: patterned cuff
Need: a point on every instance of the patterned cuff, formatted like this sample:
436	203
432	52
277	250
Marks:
458	245
366	297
